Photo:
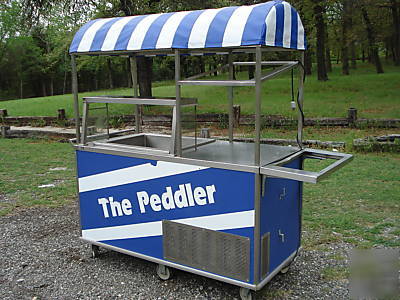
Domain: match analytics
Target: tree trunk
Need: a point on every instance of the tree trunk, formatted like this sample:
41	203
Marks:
215	66
96	83
251	68
374	54
308	62
184	64
363	55
65	74
110	75
43	88
327	51
328	60
202	66
145	75
65	82
128	73
396	24
345	37
21	89
353	55
320	26
51	86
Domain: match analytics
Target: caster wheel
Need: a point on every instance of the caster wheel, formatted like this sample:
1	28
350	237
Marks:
95	251
246	294
164	272
285	270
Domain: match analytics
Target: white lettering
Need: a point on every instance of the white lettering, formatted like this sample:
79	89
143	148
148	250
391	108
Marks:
180	197
126	207
210	193
115	207
200	196
155	202
167	199
189	194
103	202
143	199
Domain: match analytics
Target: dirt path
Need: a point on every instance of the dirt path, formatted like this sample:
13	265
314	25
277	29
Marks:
43	258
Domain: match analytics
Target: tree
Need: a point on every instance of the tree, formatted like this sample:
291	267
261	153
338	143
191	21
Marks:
373	47
320	39
346	20
395	8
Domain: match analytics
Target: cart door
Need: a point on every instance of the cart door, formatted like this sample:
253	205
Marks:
280	220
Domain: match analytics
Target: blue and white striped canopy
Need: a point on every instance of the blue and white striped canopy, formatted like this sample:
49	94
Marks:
273	23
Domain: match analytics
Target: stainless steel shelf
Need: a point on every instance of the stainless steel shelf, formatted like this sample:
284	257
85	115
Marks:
141	101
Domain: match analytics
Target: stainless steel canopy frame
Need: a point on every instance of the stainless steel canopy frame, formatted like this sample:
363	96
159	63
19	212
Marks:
256	82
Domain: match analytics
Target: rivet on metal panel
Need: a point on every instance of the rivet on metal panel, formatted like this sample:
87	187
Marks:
283	194
282	235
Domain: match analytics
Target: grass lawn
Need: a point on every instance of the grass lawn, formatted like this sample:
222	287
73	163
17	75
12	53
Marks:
26	164
374	95
358	204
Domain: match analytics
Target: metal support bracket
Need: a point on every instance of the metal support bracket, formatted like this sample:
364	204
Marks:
263	184
283	194
282	236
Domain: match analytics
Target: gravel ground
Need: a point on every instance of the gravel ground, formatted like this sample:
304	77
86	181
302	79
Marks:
41	257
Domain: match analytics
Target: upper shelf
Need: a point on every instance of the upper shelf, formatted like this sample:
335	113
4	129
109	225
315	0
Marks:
165	101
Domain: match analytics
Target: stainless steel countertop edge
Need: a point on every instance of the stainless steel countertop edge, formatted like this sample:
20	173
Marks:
167	157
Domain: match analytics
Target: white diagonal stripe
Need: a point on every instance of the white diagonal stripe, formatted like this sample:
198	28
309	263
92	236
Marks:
114	32
287	27
87	39
134	174
235	220
138	35
271	27
235	26
168	31
200	28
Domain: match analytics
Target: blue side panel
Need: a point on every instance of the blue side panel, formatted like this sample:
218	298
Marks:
90	163
233	194
233	191
150	246
281	213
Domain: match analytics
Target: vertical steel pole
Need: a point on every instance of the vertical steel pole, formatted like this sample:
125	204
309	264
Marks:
257	176
134	73
230	96
178	132
76	99
300	101
84	122
258	107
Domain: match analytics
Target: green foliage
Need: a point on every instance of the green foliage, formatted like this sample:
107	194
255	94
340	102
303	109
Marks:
47	27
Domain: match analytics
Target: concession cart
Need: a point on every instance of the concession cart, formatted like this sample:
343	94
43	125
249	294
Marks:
226	210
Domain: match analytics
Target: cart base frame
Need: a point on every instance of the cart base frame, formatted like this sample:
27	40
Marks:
254	287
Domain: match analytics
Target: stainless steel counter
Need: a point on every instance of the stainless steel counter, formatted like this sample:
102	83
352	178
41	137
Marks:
210	153
239	153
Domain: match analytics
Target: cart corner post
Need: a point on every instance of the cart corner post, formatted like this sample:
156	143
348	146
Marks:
74	74
230	96
134	74
177	133
257	160
300	99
